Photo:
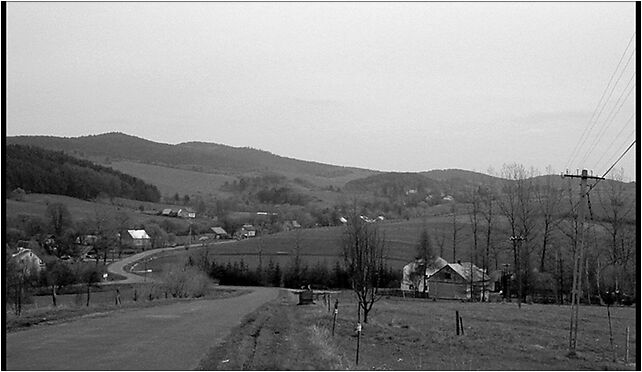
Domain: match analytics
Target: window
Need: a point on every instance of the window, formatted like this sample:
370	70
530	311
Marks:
447	276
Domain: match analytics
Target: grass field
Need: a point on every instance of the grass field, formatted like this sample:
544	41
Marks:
36	205
317	245
408	334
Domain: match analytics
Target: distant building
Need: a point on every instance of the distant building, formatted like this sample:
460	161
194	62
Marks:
138	239
29	261
448	198
186	213
219	233
247	231
291	225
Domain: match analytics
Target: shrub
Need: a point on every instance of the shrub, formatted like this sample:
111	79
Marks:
185	282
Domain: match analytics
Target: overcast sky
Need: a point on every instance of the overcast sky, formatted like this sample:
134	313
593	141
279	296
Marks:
398	87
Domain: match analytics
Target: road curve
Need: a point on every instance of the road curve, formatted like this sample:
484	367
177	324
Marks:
167	337
118	267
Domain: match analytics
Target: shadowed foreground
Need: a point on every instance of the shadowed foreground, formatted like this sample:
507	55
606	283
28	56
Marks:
172	337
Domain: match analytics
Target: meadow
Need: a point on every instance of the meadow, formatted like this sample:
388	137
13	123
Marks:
414	334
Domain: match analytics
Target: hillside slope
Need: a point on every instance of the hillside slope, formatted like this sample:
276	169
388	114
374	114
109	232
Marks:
197	156
43	171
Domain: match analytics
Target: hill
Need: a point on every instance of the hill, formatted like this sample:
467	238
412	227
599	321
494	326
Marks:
195	156
43	171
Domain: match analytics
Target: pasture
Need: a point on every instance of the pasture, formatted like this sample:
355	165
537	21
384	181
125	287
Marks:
412	334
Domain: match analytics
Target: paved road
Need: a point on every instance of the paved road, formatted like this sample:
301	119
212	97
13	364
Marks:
168	337
118	267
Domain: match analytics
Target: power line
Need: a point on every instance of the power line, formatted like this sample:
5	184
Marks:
610	117
586	129
617	161
598	163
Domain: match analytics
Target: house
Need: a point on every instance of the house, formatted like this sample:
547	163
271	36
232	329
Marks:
247	231
219	233
453	281
448	198
137	239
86	239
167	212
186	213
291	225
29	261
446	280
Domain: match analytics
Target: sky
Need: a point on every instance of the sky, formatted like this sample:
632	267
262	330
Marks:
387	86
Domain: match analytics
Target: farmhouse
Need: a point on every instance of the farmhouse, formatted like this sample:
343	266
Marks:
247	231
445	280
453	281
137	239
219	233
186	213
28	260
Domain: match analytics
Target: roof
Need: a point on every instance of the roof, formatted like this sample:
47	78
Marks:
248	227
138	234
219	230
23	252
464	270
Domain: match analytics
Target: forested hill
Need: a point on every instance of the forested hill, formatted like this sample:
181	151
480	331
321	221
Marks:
38	170
198	156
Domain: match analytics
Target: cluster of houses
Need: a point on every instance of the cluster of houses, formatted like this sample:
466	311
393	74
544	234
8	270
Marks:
180	212
440	279
344	220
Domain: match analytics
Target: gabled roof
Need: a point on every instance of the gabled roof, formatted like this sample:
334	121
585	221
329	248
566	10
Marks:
219	230
138	234
464	270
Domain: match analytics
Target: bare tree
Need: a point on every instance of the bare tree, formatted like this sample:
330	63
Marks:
619	222
363	251
517	205
474	215
425	254
59	217
548	199
456	228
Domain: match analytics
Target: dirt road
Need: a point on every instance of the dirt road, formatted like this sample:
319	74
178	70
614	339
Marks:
172	337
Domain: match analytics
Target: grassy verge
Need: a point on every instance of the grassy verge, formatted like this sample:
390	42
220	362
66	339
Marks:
279	336
102	303
421	335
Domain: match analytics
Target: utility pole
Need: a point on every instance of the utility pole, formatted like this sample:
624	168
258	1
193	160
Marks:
517	247
577	260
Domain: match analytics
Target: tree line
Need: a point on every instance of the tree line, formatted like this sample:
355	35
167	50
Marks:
37	170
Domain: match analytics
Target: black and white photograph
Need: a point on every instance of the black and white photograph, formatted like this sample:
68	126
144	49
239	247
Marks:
322	185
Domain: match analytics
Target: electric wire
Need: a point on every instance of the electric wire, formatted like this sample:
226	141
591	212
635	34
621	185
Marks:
586	129
629	135
610	118
598	163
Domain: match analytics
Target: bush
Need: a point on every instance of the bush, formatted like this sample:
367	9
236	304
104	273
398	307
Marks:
185	282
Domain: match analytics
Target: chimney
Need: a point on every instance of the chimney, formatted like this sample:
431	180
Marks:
459	262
